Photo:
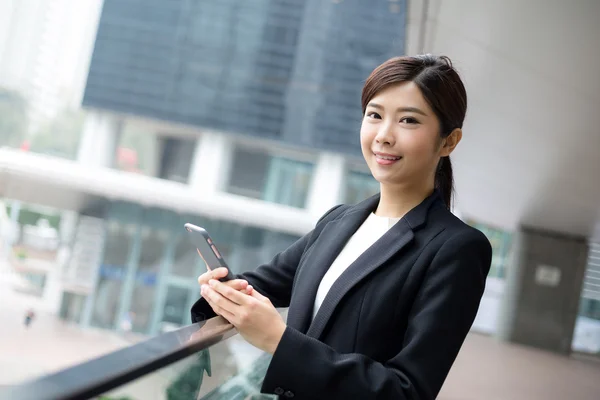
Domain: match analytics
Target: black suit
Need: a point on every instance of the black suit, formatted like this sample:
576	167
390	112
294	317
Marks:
392	324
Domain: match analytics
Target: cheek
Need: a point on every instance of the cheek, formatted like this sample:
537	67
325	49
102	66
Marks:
419	143
367	135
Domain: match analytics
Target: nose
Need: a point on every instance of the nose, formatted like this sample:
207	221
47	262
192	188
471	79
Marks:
385	135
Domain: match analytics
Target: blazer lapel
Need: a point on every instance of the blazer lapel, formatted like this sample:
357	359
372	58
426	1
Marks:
326	248
392	242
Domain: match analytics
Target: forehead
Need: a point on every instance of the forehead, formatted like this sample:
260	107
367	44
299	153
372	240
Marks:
405	94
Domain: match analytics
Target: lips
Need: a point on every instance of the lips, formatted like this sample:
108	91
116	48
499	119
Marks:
386	159
385	156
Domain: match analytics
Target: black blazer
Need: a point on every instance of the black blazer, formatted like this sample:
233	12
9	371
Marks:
392	324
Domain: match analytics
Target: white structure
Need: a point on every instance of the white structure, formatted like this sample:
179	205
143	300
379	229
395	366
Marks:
71	185
45	50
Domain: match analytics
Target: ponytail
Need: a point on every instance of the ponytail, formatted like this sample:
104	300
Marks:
444	181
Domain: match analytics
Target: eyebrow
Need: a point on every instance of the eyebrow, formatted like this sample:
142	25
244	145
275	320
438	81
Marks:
404	109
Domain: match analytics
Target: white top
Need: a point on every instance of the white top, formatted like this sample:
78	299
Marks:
368	233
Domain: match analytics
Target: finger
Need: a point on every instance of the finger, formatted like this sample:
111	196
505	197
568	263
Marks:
218	273
217	300
237	284
233	295
258	296
221	311
249	290
227	315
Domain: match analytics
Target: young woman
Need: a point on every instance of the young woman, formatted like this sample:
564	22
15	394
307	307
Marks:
381	294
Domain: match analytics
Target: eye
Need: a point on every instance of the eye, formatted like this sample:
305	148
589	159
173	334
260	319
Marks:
409	120
373	114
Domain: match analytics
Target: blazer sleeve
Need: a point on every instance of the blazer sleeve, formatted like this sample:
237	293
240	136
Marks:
274	279
440	318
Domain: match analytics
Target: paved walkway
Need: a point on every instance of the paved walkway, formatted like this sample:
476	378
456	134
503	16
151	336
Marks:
490	370
48	345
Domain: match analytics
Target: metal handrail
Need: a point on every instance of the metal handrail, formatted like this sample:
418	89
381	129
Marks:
107	372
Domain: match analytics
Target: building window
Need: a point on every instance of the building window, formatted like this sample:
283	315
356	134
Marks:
586	337
175	310
359	186
119	238
175	158
590	308
590	295
500	241
144	152
186	263
151	246
264	176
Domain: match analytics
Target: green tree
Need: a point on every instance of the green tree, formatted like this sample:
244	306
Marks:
13	118
60	136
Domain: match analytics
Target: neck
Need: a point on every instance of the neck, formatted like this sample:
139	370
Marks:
396	201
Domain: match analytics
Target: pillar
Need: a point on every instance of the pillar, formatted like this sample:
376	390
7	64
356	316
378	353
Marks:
53	290
100	139
543	289
211	162
326	185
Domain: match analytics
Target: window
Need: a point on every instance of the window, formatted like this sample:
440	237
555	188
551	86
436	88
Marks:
248	173
288	182
590	308
186	263
359	186
112	271
175	159
149	246
590	294
142	151
175	310
153	243
259	175
586	337
242	247
500	241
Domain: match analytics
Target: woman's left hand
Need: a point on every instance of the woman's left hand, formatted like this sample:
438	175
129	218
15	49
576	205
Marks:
252	314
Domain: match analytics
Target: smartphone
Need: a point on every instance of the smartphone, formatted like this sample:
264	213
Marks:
207	250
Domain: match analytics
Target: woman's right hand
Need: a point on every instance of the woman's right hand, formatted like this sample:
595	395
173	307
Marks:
218	273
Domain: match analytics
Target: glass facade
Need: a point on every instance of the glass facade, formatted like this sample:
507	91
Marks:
112	271
500	241
586	337
590	308
147	279
290	70
260	175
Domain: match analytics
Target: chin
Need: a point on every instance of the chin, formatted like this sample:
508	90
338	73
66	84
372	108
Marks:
387	178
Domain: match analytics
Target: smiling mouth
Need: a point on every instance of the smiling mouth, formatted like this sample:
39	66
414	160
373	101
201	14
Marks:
389	158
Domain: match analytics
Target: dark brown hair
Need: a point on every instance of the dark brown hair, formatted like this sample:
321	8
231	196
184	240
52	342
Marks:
443	90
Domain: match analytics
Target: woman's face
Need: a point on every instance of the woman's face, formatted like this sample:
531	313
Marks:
400	137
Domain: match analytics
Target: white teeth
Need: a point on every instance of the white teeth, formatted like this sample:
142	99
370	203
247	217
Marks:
387	158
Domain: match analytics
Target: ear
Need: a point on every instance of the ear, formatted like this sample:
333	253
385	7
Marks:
450	142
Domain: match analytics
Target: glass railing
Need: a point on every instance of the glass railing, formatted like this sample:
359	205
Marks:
206	360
